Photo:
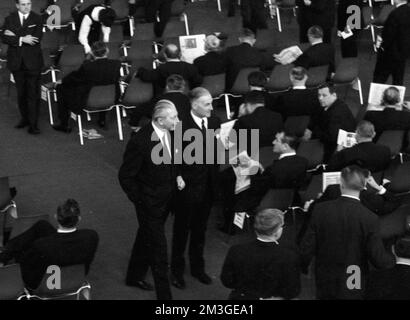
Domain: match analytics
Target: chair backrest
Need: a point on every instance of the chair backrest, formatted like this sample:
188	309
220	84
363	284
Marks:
265	39
297	125
11	282
144	31
215	84
73	55
393	139
121	9
313	151
346	71
22	224
317	76
400	180
277	199
178	7
138	92
72	279
241	85
140	50
383	15
174	29
4	192
279	79
266	156
117	33
101	98
114	51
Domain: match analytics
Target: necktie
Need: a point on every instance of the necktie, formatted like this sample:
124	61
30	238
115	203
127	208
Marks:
165	145
203	128
24	21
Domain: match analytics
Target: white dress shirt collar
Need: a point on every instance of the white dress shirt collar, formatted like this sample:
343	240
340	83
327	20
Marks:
299	88
400	4
198	120
161	134
21	16
267	241
71	230
288	154
351	197
402	261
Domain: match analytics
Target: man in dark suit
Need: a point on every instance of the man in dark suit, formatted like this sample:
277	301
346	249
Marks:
365	153
395	46
348	45
319	53
173	65
298	101
148	177
214	61
254	116
244	55
344	237
43	245
198	180
263	268
74	89
336	115
254	14
22	32
161	9
316	12
393	117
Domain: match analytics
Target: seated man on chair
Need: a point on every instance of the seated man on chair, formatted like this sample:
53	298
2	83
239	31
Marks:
74	89
42	245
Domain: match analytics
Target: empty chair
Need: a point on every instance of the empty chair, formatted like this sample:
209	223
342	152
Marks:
313	151
73	285
140	52
317	76
392	139
12	285
347	72
297	125
22	224
279	78
283	5
215	84
137	93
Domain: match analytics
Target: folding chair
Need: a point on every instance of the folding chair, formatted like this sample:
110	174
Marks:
393	139
73	285
22	224
317	76
282	5
346	73
12	285
297	125
400	181
265	39
279	79
139	53
313	151
100	99
136	93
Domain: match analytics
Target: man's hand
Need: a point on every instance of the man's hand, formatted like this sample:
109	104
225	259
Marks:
307	2
9	33
180	183
371	182
307	135
29	39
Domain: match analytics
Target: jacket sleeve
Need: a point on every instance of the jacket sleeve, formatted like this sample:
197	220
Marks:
10	40
308	244
228	270
133	160
290	279
148	75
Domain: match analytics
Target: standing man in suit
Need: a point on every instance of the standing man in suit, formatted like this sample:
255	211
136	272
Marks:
198	185
43	245
343	233
22	32
336	115
149	180
161	7
395	46
365	153
316	12
262	268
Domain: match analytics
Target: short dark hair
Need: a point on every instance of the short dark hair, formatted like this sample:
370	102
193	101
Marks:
257	79
391	96
171	51
291	140
197	93
68	214
247	33
315	32
402	247
176	82
298	73
365	129
107	17
329	85
354	177
99	49
254	97
268	221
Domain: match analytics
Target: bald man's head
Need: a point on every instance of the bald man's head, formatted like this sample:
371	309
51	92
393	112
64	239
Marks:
171	51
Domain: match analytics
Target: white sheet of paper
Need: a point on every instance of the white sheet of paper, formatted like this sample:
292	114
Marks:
288	55
239	219
192	47
226	128
346	35
330	178
376	93
346	139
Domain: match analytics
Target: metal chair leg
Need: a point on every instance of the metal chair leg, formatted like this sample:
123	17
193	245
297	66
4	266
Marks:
227	107
279	20
50	110
119	123
80	129
360	91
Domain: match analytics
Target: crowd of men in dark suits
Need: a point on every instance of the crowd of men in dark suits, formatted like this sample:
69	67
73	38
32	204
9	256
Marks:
341	226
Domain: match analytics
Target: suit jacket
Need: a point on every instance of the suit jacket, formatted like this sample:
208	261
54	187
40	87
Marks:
388	119
159	76
61	249
321	54
343	233
261	270
370	198
142	179
368	155
240	57
320	12
77	85
299	102
200	178
30	56
338	116
396	42
266	121
211	63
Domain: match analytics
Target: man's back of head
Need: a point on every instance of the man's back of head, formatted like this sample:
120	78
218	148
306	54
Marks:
253	100
171	52
365	131
175	83
298	76
257	80
68	214
315	34
391	97
107	17
352	180
99	50
247	36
